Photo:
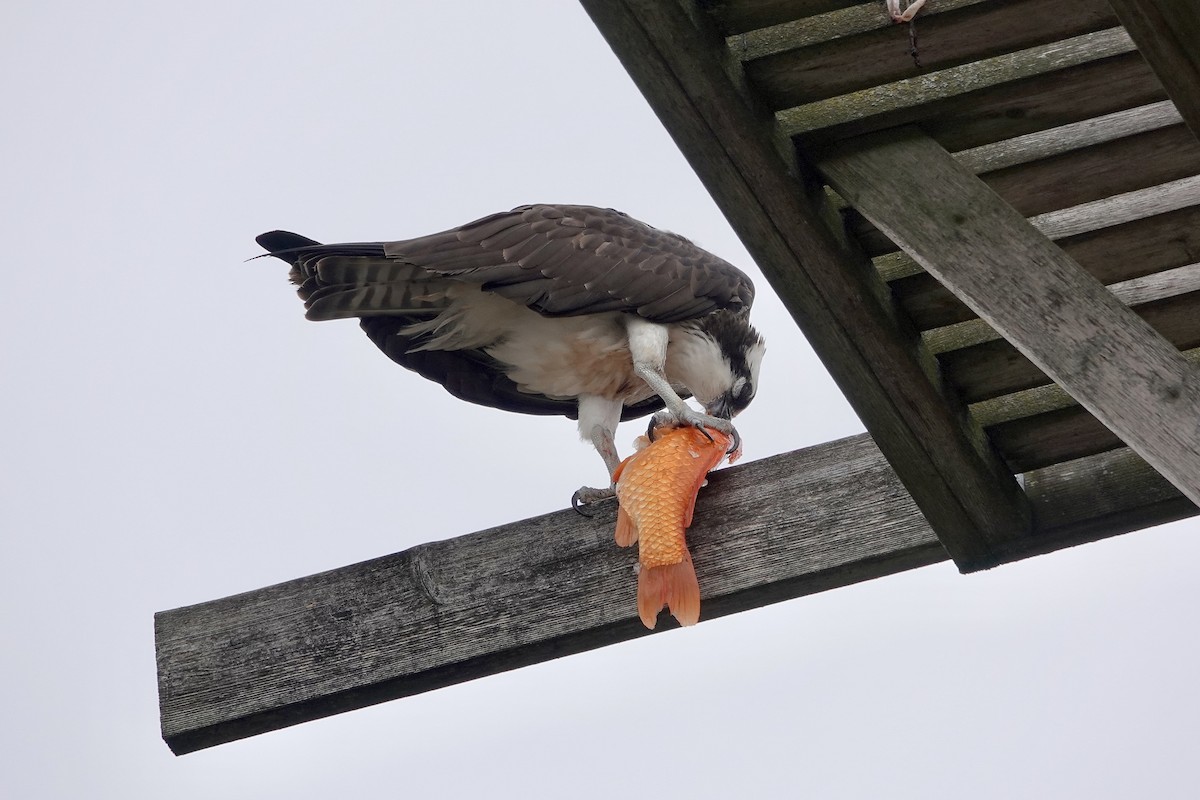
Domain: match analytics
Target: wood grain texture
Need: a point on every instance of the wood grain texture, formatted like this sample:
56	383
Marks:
860	47
833	294
1121	208
1167	33
455	610
1052	437
1028	290
1094	498
1043	426
550	586
1064	139
822	29
1111	168
1109	254
965	116
905	96
996	367
1103	212
732	17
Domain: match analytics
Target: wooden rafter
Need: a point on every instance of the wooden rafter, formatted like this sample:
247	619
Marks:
449	611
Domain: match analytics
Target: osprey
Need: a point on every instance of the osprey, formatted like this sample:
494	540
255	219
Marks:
549	309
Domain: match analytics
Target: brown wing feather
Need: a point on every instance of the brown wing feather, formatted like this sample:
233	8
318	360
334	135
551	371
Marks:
567	260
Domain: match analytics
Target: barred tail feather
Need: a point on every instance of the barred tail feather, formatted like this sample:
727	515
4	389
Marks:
674	586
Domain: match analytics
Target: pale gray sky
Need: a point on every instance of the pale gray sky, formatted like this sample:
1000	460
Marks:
175	432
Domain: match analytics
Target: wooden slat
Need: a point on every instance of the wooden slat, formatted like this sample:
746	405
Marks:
1110	254
993	112
1038	400
1035	147
994	368
1102	212
1162	298
833	294
1045	101
1092	221
1120	208
1051	438
1092	498
859	48
451	611
1064	139
1085	219
830	27
1167	33
1083	176
902	100
1026	288
733	17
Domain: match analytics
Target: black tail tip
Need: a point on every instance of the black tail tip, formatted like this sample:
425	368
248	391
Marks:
283	241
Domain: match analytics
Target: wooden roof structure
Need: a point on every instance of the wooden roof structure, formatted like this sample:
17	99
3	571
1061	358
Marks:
995	253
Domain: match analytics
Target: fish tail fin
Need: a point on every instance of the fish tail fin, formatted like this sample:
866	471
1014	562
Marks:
627	532
674	586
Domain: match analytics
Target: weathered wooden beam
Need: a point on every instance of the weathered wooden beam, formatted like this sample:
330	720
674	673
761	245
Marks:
1044	426
1167	33
1149	173
1085	228
1032	293
451	611
1116	253
997	366
832	292
983	365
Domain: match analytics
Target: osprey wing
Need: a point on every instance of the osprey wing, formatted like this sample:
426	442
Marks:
558	260
359	280
567	260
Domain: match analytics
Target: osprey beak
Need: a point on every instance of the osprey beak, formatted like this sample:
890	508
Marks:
722	407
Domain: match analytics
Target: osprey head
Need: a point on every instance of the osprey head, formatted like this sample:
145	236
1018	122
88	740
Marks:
725	378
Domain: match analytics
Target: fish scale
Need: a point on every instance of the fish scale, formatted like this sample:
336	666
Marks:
655	496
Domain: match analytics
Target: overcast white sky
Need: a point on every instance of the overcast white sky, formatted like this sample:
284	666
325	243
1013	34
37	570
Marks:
175	431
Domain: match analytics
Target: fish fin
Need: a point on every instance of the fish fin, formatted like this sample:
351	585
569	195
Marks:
674	586
627	532
616	476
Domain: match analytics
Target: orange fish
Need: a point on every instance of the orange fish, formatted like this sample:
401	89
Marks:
657	488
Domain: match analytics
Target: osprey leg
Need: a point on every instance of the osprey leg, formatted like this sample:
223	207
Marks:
648	347
598	419
605	444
